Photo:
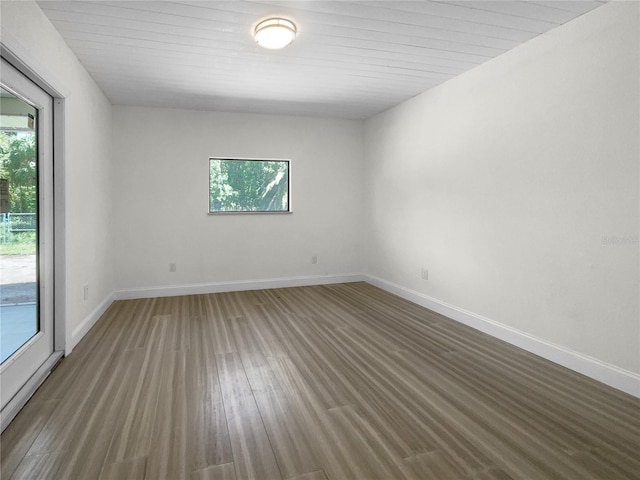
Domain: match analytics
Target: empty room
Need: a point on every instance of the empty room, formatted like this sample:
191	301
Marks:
320	240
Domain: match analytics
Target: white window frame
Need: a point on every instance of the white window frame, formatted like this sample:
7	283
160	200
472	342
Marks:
250	212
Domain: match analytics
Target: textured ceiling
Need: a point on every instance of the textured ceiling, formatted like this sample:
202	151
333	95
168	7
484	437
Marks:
351	59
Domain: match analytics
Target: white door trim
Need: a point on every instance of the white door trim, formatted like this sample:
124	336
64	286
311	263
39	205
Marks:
24	61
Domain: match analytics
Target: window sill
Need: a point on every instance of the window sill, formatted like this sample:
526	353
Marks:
213	214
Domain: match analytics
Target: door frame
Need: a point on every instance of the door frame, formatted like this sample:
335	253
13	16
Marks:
24	62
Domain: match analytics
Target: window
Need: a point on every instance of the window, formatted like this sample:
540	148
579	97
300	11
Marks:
245	186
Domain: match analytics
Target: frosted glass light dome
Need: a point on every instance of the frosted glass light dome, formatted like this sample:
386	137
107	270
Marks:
275	33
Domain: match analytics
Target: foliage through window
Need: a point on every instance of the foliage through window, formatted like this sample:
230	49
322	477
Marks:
238	185
18	166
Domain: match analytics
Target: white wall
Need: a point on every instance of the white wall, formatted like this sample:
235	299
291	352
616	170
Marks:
88	174
504	182
161	159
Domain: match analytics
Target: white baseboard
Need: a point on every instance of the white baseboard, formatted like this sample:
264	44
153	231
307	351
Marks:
608	374
236	286
81	330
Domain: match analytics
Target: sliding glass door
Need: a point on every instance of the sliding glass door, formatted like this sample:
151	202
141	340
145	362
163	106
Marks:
26	231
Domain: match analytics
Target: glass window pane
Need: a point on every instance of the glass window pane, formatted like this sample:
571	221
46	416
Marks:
248	185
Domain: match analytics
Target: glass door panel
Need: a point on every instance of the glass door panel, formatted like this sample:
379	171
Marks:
19	312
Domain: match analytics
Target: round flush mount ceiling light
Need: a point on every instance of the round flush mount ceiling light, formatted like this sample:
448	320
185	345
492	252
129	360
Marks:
275	33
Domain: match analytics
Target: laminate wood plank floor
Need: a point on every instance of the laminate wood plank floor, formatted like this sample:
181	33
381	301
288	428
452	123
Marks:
313	383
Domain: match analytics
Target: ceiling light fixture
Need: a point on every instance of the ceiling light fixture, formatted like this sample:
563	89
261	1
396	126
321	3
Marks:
275	33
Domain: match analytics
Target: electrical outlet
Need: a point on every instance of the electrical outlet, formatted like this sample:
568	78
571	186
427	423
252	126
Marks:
314	259
425	274
86	291
172	267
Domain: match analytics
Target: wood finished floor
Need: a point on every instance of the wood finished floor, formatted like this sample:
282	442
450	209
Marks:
313	383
